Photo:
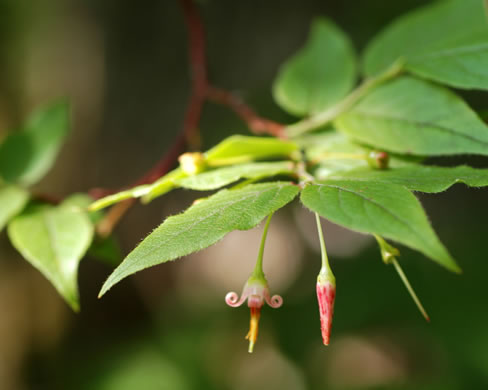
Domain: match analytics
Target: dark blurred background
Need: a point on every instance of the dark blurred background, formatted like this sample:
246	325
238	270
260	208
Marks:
123	64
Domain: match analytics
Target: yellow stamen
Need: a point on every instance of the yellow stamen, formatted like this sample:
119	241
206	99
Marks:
252	335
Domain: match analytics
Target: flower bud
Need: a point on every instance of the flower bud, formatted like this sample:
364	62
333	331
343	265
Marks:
326	291
192	163
378	160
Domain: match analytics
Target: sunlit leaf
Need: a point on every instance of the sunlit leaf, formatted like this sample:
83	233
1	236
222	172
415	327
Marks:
239	149
220	177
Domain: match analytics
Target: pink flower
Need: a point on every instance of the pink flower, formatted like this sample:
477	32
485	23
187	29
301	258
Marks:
256	292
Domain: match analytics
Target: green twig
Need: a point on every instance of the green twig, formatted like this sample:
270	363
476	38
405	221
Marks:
325	270
324	117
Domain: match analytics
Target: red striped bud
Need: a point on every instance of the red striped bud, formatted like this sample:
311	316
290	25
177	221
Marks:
326	292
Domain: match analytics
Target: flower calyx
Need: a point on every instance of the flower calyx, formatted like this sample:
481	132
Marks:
256	292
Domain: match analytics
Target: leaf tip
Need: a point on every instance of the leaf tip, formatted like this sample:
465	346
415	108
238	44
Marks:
75	305
106	286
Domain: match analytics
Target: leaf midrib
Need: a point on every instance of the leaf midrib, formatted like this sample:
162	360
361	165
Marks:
216	210
51	234
364	198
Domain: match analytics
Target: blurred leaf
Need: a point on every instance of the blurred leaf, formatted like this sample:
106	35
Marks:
80	202
26	156
415	117
106	250
217	178
420	178
54	239
12	200
320	74
203	224
239	149
446	42
388	210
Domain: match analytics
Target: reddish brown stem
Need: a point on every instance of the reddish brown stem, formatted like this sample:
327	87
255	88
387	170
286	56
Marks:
198	67
189	135
257	124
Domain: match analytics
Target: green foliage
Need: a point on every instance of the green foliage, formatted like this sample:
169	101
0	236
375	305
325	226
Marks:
27	155
446	42
320	74
403	118
411	116
420	178
54	239
388	210
203	224
217	178
238	149
12	200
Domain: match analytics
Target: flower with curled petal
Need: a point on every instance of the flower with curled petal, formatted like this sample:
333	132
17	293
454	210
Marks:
256	292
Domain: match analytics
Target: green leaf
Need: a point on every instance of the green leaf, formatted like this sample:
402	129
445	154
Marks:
239	149
320	74
27	155
335	153
388	210
53	240
415	117
420	178
12	200
236	149
203	224
217	178
446	42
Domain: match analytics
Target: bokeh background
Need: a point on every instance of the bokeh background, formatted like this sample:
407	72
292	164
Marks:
123	64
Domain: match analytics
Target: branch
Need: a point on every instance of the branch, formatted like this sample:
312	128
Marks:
255	123
189	135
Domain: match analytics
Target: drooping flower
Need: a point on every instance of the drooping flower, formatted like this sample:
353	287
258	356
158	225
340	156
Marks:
256	292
